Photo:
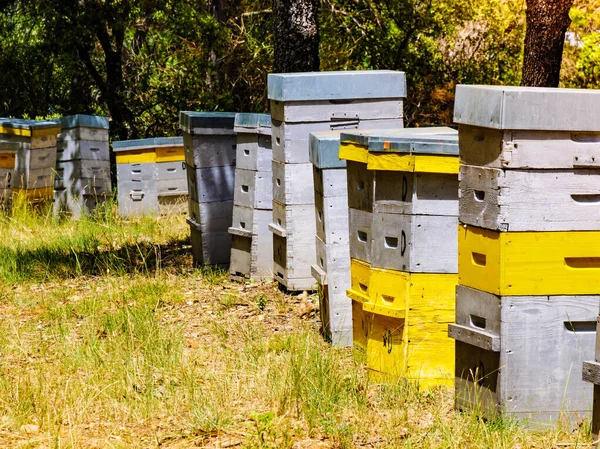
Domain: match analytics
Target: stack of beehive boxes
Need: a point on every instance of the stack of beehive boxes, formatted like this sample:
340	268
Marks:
82	178
302	103
251	240
210	155
529	251
403	209
33	179
332	266
151	176
8	153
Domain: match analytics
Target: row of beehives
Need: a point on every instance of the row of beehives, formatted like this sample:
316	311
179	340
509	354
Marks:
65	159
525	260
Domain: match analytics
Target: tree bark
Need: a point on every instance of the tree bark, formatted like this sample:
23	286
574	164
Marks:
547	22
296	36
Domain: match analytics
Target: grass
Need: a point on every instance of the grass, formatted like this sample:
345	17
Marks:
111	339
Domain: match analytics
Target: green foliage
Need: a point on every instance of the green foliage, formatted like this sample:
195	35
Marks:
142	61
581	59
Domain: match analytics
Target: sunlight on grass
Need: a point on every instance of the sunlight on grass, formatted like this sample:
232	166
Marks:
111	339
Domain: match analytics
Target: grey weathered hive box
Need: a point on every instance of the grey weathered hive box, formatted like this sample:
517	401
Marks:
527	108
522	356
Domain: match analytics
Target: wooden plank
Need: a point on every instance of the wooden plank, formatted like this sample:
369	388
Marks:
332	219
170	153
215	217
591	372
293	184
360	236
211	184
253	152
172	170
519	149
529	263
414	243
202	151
39	178
539	380
137	198
137	172
83	149
291	141
530	200
360	184
253	189
172	187
527	108
413	163
83	133
331	182
207	123
35	159
252	256
210	248
416	193
82	169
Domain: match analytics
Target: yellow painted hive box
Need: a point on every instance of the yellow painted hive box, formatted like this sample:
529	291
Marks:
44	193
529	263
359	294
404	321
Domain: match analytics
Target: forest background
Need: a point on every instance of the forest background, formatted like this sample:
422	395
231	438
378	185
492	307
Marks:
142	61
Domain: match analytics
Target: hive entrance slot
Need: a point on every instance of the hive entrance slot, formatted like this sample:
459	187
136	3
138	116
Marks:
391	242
580	326
479	195
582	262
362	236
479	259
478	321
586	199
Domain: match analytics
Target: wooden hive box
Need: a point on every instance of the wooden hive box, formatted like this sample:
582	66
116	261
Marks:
529	263
332	266
252	241
405	321
527	128
591	373
521	356
302	103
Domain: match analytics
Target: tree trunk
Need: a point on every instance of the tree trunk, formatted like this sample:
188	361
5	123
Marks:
547	22
296	36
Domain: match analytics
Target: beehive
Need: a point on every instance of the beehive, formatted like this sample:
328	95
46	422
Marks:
403	185
528	258
83	178
35	162
331	268
302	103
251	240
151	176
210	155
